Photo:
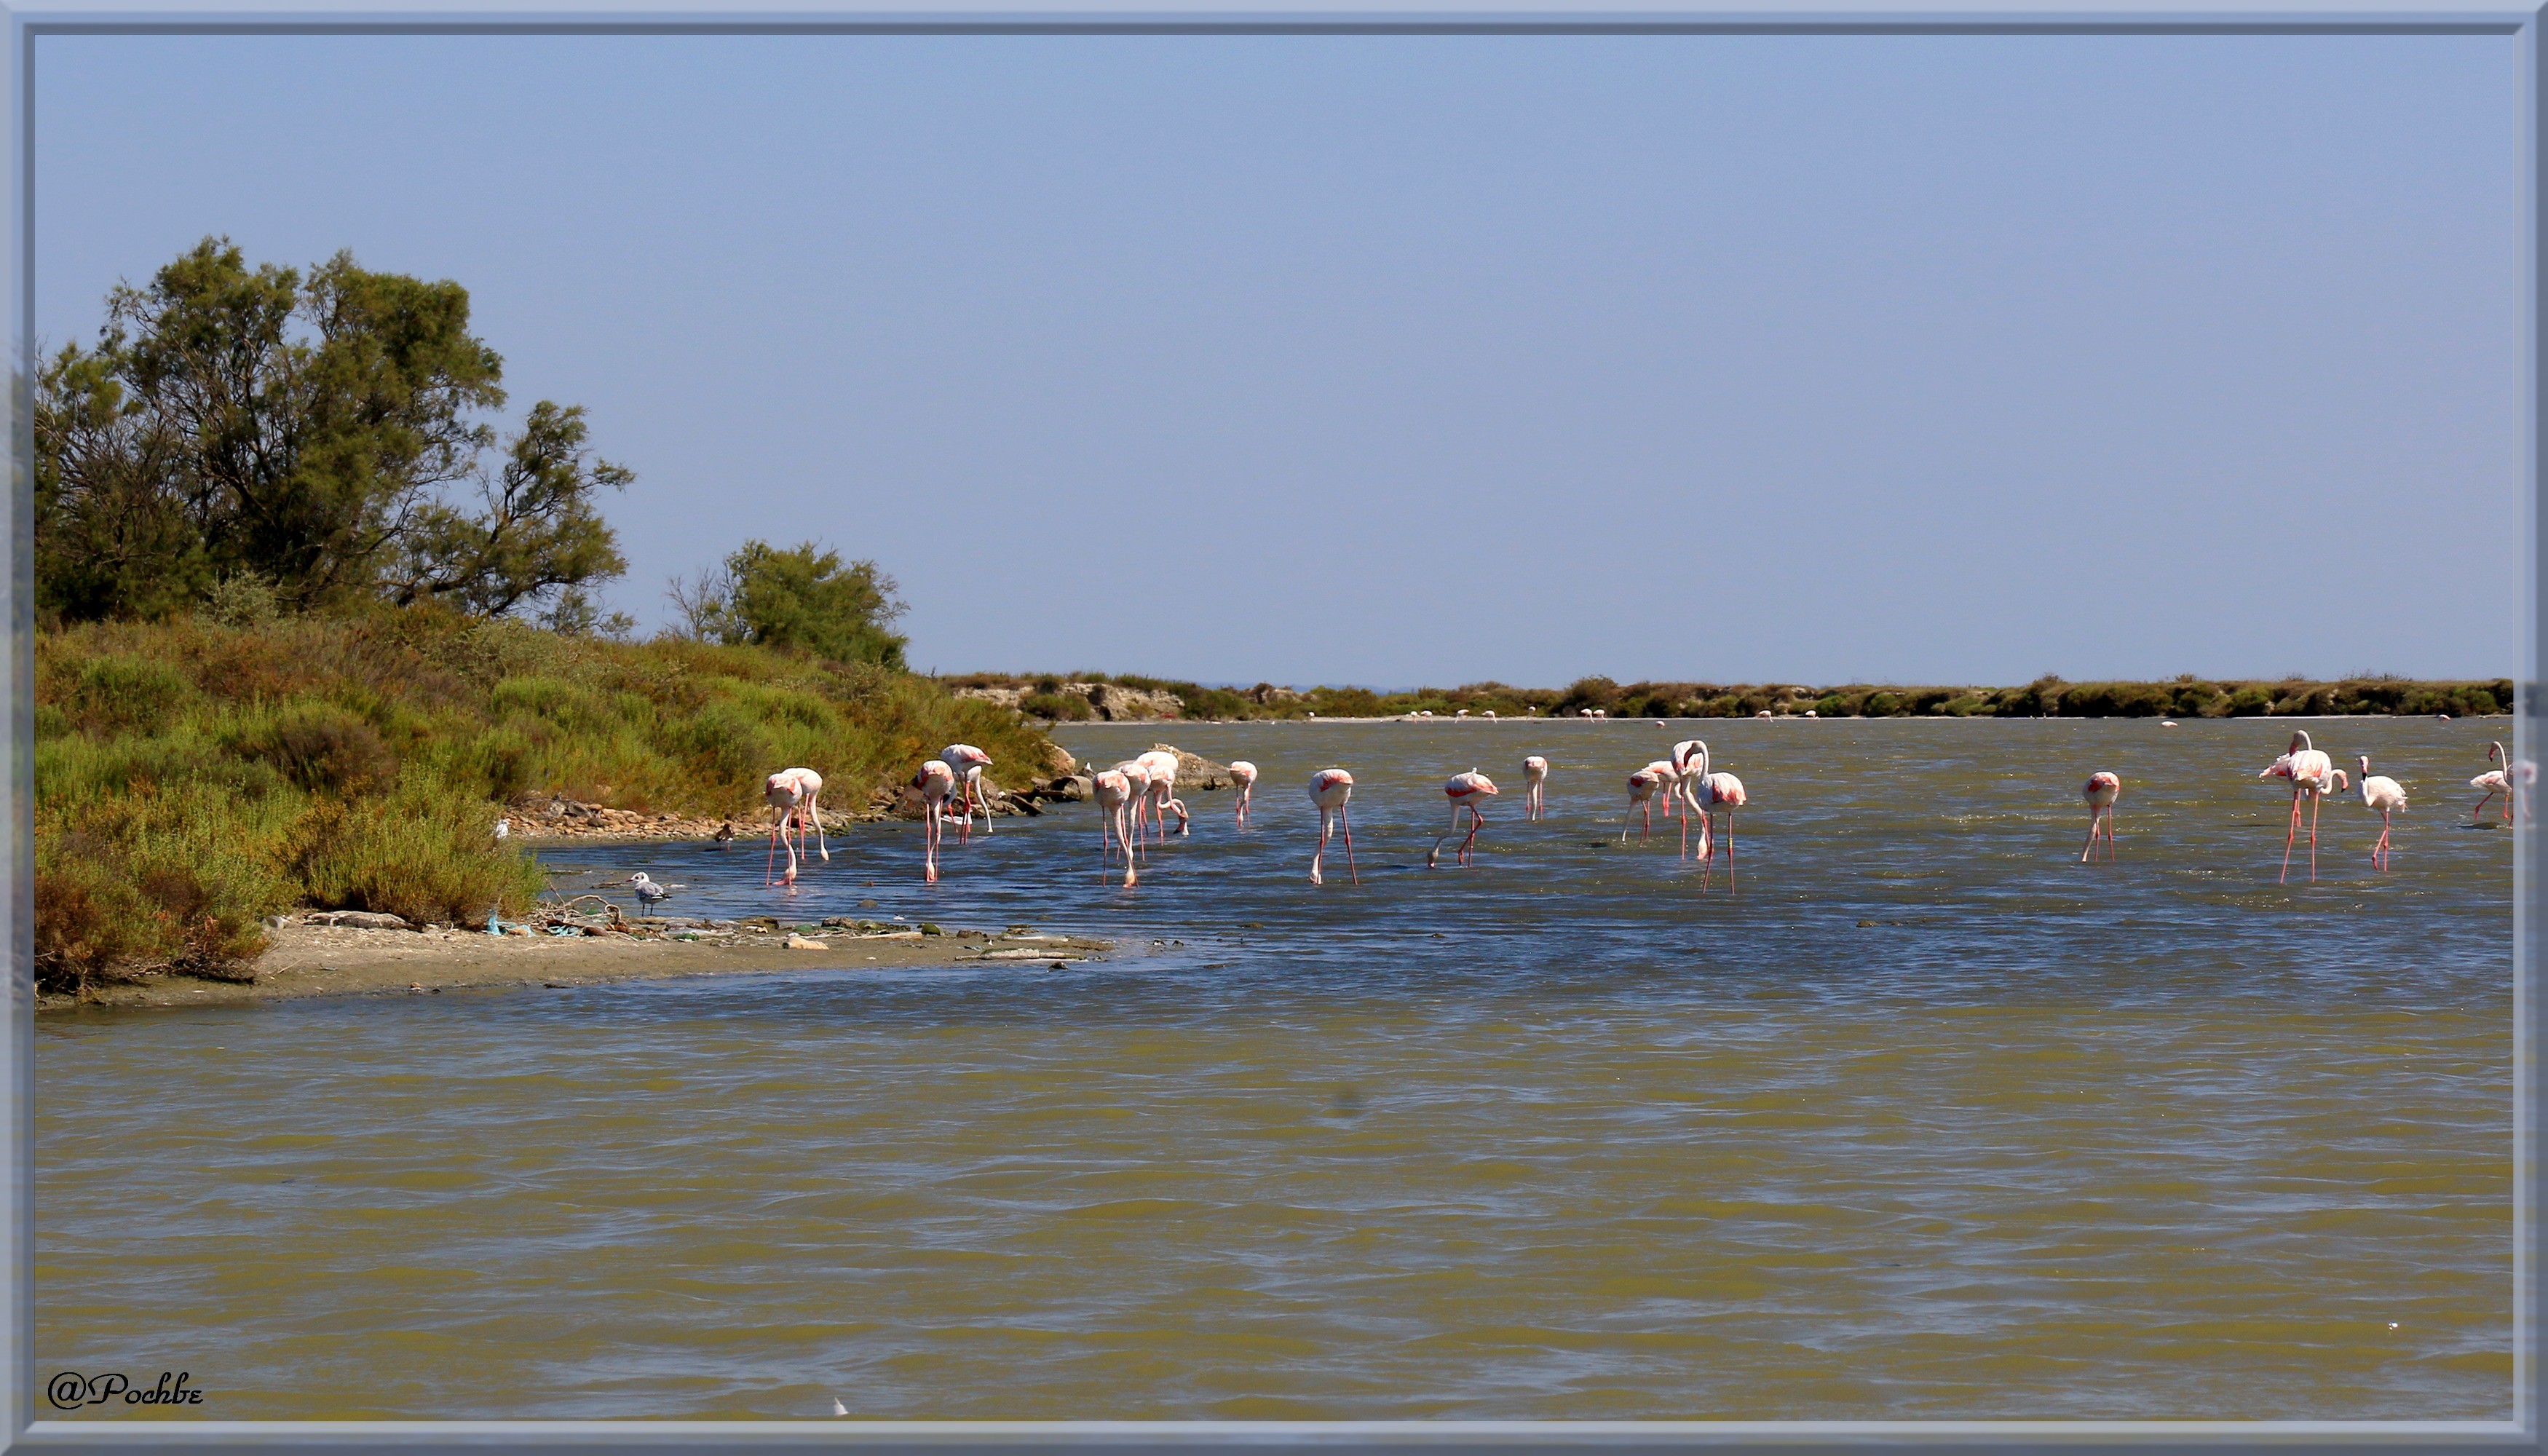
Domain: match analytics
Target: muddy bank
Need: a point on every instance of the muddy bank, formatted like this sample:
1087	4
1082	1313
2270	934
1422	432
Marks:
318	960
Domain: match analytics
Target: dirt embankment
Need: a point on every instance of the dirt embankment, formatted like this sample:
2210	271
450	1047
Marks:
307	959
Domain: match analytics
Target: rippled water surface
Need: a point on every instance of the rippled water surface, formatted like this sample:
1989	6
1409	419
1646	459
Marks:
1930	1120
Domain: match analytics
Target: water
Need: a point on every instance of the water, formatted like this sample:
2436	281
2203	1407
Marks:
1931	1121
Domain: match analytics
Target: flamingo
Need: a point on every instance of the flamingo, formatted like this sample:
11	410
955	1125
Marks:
1534	787
1467	792
2311	773
1137	777
2388	795
2101	793
1328	789
968	762
791	792
2495	780
1115	803
936	781
1710	795
1163	763
1642	786
1242	776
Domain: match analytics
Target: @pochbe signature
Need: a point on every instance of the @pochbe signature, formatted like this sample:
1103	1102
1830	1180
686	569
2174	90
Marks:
71	1390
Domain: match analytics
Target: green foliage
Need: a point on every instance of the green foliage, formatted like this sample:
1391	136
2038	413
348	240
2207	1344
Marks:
192	777
1058	708
253	424
804	598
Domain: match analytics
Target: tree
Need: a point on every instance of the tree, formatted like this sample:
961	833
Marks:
802	597
234	421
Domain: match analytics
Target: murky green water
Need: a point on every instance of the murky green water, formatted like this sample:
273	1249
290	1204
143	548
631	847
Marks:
1931	1121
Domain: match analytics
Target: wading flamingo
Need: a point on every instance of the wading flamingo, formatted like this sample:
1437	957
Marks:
2312	773
2495	780
1242	776
2102	792
1643	785
2388	795
936	781
1467	792
1328	789
1534	787
1137	776
791	792
1114	808
1163	763
968	762
1709	795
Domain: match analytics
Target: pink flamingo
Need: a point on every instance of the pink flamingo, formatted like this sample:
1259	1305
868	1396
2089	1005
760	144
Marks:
1467	792
2101	794
1163	764
2388	795
1534	787
1709	795
936	781
1137	776
1242	776
791	792
1115	803
968	762
2495	780
1642	788
2311	773
1328	789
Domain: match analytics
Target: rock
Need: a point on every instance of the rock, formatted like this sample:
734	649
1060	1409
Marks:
358	920
1058	759
1118	705
520	929
1070	789
800	943
1194	770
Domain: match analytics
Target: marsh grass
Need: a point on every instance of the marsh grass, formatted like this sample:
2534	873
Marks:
195	775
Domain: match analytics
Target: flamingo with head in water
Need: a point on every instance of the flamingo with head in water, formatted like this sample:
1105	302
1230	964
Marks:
935	781
1115	807
792	793
2101	793
968	762
1330	788
1643	785
1534	787
2312	773
1242	776
1466	792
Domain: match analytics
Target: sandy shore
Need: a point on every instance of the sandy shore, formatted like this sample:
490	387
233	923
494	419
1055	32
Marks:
330	960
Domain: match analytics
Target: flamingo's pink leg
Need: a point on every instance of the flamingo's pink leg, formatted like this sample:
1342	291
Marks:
1347	825
2288	834
2313	802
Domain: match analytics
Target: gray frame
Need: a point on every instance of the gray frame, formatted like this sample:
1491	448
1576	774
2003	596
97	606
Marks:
21	1425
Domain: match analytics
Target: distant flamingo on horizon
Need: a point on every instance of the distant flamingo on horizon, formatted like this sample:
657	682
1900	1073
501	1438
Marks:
1534	787
2101	793
792	793
1467	792
1242	776
2388	795
1330	788
936	781
2310	773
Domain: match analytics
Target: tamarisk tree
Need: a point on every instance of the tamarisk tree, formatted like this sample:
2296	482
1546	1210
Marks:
326	435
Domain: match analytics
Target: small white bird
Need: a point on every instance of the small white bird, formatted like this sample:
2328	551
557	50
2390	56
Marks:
839	1409
503	827
648	891
2388	795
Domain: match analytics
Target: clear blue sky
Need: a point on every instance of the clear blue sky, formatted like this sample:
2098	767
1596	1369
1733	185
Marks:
1425	359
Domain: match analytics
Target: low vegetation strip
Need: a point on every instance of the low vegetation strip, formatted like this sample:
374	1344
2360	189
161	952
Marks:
1096	696
193	779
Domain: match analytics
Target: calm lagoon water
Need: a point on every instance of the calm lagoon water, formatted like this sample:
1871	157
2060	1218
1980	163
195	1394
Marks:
1930	1120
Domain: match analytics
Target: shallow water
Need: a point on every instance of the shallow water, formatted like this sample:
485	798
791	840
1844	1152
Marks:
1930	1120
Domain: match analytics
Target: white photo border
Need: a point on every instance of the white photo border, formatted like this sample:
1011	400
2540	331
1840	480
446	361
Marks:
21	1425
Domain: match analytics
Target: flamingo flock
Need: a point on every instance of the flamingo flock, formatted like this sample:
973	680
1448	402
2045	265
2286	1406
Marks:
1137	798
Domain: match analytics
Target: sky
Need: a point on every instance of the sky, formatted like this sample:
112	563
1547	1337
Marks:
1436	359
